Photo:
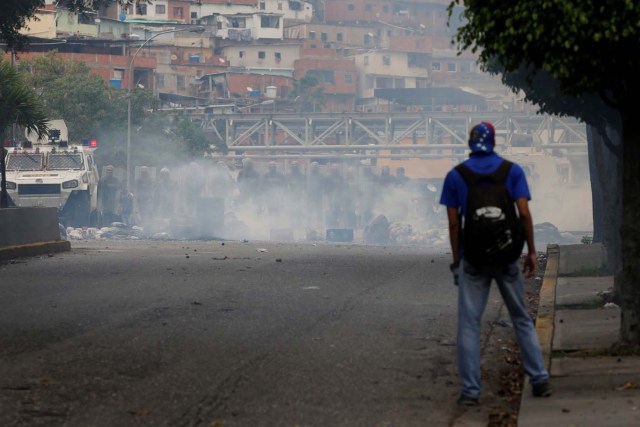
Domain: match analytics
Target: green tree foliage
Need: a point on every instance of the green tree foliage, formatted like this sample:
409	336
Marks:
18	105
584	45
14	16
160	140
307	93
575	57
196	142
70	91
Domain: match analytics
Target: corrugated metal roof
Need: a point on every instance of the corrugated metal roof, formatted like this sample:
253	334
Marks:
430	96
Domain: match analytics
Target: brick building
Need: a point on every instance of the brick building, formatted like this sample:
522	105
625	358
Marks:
336	75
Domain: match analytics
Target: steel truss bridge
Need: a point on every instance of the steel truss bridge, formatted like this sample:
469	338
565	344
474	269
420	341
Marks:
386	135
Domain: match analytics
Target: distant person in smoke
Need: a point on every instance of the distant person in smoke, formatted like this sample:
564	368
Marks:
296	179
165	193
108	192
221	183
144	192
386	179
349	197
315	194
127	208
296	182
402	195
192	188
336	191
401	179
248	183
367	195
271	190
386	184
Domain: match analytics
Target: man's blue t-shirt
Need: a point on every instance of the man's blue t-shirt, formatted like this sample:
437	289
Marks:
454	190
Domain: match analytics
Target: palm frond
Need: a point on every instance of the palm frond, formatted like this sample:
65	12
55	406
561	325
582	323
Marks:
19	104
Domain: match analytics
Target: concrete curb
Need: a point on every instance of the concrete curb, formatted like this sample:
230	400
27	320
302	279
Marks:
34	249
546	314
546	304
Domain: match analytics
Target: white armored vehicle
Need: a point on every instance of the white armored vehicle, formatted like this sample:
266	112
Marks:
50	172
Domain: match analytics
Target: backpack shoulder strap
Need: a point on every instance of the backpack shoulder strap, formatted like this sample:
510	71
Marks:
501	174
467	174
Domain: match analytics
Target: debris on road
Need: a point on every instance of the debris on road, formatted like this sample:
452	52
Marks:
117	231
546	233
405	234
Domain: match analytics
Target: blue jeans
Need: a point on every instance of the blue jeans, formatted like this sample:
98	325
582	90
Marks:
472	299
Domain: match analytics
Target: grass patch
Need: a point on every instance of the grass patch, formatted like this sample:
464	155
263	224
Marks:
588	272
616	350
586	305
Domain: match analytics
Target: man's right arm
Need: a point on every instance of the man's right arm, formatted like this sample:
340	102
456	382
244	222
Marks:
531	261
454	234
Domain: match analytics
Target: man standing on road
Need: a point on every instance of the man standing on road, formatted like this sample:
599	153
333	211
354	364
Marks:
463	186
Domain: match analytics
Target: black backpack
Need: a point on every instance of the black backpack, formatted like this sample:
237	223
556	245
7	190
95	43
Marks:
492	234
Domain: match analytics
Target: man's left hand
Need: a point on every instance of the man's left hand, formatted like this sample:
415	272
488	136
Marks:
530	264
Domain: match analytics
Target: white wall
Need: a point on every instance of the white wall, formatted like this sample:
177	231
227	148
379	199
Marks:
250	58
221	9
268	32
282	6
252	25
113	11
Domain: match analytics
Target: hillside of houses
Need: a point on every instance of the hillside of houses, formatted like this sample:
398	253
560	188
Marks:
280	55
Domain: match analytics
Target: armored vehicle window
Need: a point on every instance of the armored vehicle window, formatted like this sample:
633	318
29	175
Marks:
64	161
24	162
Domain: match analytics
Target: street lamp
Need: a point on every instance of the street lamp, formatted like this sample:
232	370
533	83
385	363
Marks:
130	89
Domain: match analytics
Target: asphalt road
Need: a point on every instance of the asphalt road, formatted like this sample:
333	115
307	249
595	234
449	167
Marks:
127	333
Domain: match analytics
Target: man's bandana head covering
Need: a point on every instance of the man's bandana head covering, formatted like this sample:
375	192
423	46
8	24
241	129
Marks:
482	138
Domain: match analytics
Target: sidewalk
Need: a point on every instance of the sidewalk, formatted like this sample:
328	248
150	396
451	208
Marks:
33	249
588	390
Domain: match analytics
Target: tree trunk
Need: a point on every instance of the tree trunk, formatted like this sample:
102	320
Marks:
606	178
630	276
613	210
4	200
596	159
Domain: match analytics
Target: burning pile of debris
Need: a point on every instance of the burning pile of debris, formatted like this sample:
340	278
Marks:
158	230
405	234
117	230
382	232
547	233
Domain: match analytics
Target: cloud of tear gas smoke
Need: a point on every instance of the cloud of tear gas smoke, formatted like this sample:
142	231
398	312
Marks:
211	198
561	194
305	201
259	200
352	197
